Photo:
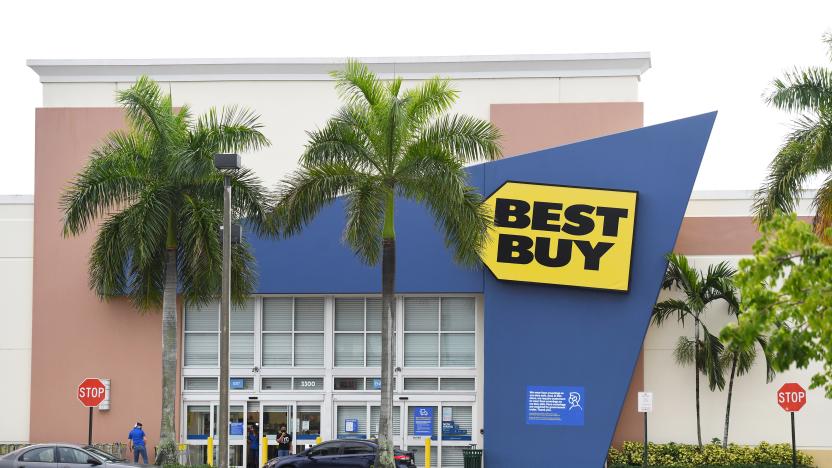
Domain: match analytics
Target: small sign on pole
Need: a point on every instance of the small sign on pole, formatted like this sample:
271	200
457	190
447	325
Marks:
791	397
645	402
91	393
645	405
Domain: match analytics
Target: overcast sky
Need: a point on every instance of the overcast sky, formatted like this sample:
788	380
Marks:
706	55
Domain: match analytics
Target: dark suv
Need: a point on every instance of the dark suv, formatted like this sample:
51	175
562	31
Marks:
340	454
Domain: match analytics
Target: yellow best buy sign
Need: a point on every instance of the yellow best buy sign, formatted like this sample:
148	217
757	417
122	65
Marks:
555	234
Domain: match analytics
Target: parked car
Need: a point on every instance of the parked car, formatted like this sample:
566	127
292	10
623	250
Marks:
341	454
63	455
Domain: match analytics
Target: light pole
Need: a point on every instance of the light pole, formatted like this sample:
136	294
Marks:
225	162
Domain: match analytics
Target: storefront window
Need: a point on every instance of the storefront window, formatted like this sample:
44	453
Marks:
352	422
349	383
198	422
411	428
293	332
273	418
309	422
357	323
241	345
439	332
375	414
236	423
456	423
202	334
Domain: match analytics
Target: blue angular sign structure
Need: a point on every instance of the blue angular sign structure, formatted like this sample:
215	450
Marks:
534	334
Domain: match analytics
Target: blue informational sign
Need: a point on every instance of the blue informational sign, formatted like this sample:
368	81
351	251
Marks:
235	428
423	421
237	384
555	406
350	425
376	384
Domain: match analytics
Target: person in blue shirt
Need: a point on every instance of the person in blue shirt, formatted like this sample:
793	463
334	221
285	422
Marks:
136	443
253	447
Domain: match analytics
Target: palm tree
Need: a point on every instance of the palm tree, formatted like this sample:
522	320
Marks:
159	199
807	151
382	143
740	358
705	349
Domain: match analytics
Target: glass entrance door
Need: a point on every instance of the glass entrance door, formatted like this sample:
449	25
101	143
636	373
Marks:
307	425
236	434
275	415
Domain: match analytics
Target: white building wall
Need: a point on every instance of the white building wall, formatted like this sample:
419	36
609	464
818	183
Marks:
288	109
755	414
16	228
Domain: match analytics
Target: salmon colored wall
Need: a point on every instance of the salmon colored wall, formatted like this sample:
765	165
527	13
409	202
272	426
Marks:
74	334
727	235
533	127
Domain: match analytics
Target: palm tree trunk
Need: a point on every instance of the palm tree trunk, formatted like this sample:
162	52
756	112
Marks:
696	370
388	284
728	405
166	434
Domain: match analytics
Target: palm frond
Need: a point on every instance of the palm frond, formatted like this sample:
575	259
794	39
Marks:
365	217
468	138
670	308
232	130
147	222
769	361
340	141
248	199
200	249
685	351
439	181
149	110
302	195
110	258
822	205
356	83
430	99
114	175
712	348
807	151
243	272
806	89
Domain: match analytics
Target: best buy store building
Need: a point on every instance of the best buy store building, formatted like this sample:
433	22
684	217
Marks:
536	358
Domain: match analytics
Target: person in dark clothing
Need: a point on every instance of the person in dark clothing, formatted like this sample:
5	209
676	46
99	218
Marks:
253	447
137	444
284	442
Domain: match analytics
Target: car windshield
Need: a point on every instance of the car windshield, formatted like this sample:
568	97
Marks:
102	454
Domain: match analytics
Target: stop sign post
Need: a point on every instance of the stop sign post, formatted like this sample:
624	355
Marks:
791	397
91	393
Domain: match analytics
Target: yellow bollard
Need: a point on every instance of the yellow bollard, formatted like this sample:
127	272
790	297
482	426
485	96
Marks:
264	451
210	451
317	440
427	452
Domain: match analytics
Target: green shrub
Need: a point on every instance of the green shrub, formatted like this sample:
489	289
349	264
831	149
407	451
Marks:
711	455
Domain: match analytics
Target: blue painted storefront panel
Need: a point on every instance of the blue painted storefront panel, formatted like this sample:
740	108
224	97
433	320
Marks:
551	336
317	261
535	335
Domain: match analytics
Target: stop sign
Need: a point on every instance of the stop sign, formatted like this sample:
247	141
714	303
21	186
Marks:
791	397
91	392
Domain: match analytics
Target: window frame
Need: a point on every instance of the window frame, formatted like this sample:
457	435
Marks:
259	358
364	332
439	332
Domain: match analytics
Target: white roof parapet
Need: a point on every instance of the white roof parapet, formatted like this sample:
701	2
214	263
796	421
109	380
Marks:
739	194
281	69
17	199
